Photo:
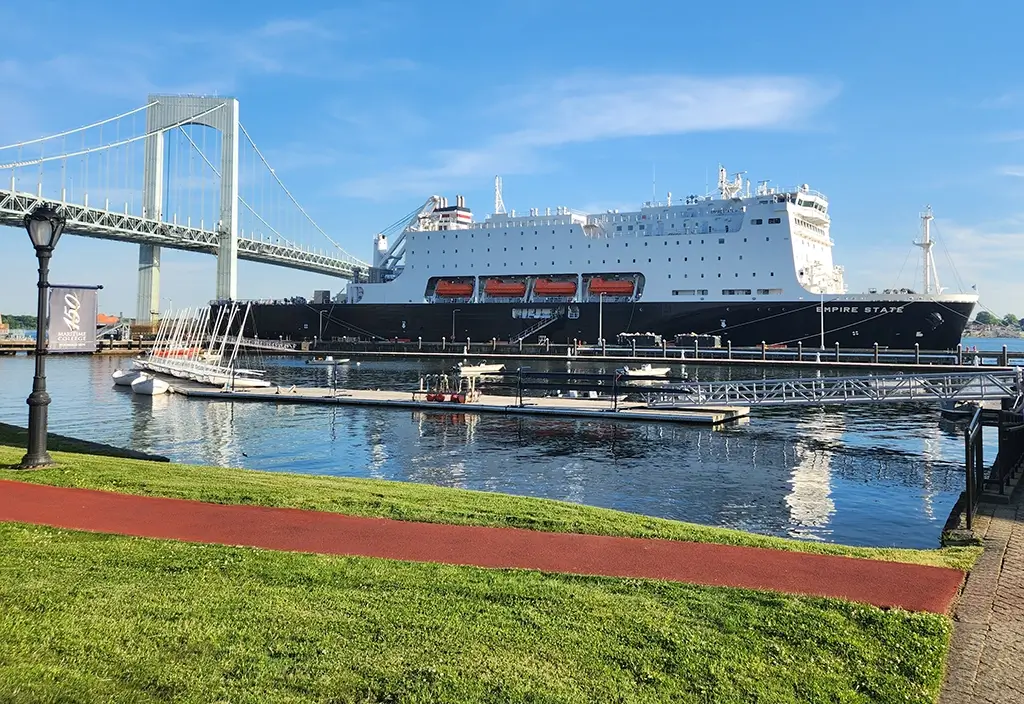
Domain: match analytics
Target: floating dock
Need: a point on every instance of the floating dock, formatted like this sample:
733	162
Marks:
507	405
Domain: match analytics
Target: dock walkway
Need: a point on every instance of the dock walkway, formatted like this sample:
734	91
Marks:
986	660
508	405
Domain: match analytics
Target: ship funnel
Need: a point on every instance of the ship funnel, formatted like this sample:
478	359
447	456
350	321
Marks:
380	249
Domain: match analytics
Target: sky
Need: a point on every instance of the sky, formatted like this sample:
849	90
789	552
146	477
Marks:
366	109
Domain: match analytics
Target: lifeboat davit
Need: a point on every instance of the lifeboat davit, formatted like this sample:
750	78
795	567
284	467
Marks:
547	287
497	287
610	287
453	289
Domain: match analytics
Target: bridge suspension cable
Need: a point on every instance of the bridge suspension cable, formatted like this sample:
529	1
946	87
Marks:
290	196
112	145
77	129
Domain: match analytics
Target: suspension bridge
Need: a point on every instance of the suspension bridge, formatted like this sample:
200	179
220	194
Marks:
156	177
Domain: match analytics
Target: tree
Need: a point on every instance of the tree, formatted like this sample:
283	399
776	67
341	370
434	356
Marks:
986	318
1011	321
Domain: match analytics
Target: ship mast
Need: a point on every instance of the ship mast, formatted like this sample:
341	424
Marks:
931	274
499	204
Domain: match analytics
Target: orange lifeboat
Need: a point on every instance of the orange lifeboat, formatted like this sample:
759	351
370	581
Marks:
547	287
610	287
497	287
453	289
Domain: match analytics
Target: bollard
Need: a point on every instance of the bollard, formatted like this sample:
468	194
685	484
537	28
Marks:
876	353
664	348
764	350
547	345
917	353
696	349
494	344
728	346
469	345
837	351
442	344
420	340
800	350
632	345
604	348
960	354
1004	358
520	345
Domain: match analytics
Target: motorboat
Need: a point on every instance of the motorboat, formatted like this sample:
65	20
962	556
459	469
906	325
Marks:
125	377
478	369
328	361
952	409
148	385
644	370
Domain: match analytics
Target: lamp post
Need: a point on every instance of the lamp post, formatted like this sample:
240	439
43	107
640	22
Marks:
453	322
320	315
44	226
600	318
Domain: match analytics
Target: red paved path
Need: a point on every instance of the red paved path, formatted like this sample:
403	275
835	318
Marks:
886	584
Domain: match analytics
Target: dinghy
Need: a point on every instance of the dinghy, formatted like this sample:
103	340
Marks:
327	361
644	370
478	369
125	377
147	385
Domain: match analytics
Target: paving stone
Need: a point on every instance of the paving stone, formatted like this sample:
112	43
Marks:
986	659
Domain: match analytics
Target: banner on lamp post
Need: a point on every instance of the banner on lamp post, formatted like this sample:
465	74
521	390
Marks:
71	324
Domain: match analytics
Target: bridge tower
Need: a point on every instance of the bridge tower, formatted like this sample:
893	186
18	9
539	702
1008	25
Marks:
164	112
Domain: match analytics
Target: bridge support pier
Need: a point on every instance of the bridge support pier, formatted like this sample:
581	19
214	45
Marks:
148	307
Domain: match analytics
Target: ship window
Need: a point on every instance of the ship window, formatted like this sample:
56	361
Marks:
641	227
719	276
618	228
607	244
648	261
685	259
552	246
774	221
645	244
744	239
504	249
670	258
488	249
726	229
552	232
767	238
686	276
627	244
535	248
683	292
771	273
629	227
634	261
719	259
741	257
756	221
721	240
702	258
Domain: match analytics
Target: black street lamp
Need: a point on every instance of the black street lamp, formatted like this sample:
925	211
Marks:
44	225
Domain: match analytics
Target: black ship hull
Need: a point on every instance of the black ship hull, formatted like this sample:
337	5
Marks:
932	324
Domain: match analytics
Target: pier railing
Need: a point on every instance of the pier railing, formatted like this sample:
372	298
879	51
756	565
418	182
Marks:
910	387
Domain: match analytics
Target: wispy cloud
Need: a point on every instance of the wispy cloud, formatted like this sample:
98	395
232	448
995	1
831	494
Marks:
1013	170
590	108
1006	99
1010	136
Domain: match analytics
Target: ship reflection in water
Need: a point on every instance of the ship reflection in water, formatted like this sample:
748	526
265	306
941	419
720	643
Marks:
884	475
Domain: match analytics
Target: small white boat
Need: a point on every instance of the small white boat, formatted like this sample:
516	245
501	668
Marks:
643	370
478	369
327	361
125	377
149	385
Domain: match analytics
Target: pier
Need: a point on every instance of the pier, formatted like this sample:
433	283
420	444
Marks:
605	409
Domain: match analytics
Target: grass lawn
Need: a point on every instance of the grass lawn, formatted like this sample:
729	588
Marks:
89	617
408	501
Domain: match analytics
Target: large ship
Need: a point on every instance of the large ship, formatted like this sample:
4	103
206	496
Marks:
748	267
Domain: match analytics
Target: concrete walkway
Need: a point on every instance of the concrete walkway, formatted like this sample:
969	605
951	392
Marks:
986	660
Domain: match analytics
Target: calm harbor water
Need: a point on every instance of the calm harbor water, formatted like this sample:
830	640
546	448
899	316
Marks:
862	475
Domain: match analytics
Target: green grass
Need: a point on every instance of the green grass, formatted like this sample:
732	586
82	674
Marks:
89	617
415	502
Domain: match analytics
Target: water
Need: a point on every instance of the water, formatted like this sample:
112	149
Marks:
862	475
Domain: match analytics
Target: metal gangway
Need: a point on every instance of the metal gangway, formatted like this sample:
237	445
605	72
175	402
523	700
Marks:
825	390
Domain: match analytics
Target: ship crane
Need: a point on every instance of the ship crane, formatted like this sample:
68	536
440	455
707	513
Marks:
387	257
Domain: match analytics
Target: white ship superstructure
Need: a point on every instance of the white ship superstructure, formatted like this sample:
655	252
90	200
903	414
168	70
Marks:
768	244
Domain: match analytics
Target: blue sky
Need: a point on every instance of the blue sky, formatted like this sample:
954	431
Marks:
366	109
